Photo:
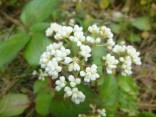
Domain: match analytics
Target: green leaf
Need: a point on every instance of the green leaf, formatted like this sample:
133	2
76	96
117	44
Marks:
37	11
109	92
35	48
10	47
127	84
42	89
128	92
39	27
61	107
13	104
134	37
128	103
41	86
116	28
147	114
43	102
142	23
104	3
97	54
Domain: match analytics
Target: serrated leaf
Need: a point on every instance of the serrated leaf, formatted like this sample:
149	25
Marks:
43	102
127	84
61	107
128	92
35	48
37	11
109	92
10	47
142	23
97	53
127	103
13	104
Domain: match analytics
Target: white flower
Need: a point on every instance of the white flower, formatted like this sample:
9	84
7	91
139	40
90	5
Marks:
129	56
72	22
110	43
53	28
102	112
90	39
126	66
73	63
131	51
49	32
106	32
93	29
53	47
110	62
98	40
78	37
50	59
77	29
61	53
85	51
74	81
60	83
53	68
44	59
63	32
90	74
76	95
119	49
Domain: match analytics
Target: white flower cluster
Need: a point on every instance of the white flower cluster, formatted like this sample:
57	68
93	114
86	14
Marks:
76	95
52	57
73	63
90	74
53	28
66	66
124	57
105	32
110	62
57	58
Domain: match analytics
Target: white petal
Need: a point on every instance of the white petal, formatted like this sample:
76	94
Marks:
78	80
71	78
86	79
57	82
71	67
82	73
57	88
68	60
72	84
76	67
62	78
